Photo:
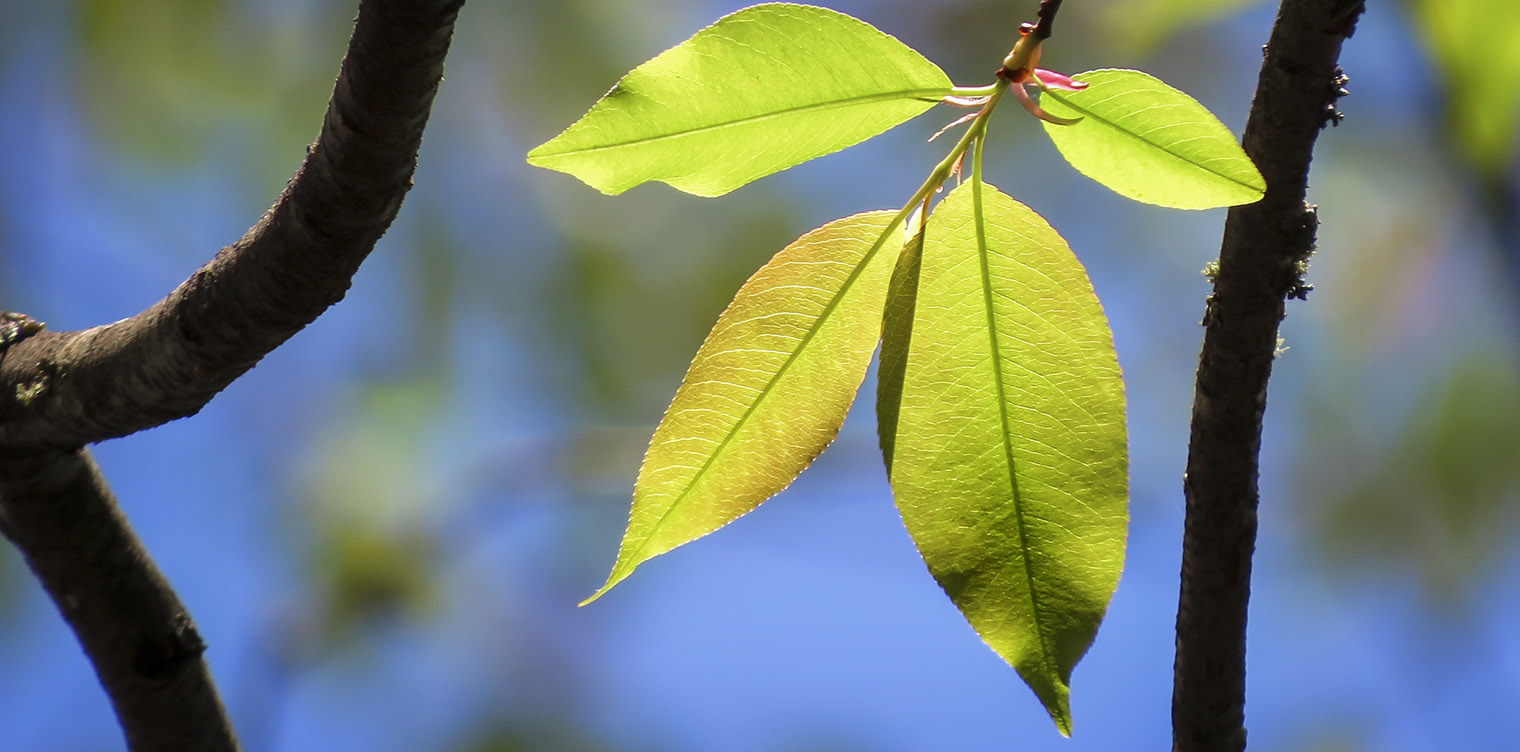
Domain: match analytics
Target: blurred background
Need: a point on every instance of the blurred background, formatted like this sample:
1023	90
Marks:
383	529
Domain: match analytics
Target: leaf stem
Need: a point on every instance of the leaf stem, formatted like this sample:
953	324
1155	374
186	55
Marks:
973	136
975	91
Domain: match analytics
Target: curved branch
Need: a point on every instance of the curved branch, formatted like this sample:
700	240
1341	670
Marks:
60	391
58	511
1266	246
73	388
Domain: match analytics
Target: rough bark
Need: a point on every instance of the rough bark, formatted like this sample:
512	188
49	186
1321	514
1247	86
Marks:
1262	260
62	390
170	360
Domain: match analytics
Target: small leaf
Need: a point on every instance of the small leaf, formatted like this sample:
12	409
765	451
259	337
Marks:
767	390
1010	461
896	336
761	90
1147	141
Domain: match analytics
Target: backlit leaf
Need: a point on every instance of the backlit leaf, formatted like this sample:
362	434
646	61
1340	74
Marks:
767	390
896	335
761	90
1010	461
1147	141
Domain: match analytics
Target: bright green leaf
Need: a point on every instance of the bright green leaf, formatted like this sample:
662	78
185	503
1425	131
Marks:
767	390
1147	141
761	90
1010	464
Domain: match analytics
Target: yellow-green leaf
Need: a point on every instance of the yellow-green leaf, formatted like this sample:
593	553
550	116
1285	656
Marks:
761	90
1010	460
1150	142
767	390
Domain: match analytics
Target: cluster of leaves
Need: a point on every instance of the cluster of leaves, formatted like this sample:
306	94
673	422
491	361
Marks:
1000	402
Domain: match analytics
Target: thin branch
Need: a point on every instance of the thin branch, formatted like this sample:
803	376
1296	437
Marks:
57	510
72	388
1262	260
1047	19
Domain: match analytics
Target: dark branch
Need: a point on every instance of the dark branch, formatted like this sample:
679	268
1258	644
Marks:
72	388
1262	260
57	510
1047	19
60	391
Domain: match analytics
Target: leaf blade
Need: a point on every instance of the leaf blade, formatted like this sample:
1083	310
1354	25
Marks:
1010	467
767	390
896	338
1150	142
762	89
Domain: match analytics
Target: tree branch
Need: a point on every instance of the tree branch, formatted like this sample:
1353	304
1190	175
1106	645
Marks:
73	388
1262	260
57	510
60	391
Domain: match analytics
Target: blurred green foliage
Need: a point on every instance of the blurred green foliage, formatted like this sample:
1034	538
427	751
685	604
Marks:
168	80
631	300
1472	44
1443	499
538	735
370	517
1141	26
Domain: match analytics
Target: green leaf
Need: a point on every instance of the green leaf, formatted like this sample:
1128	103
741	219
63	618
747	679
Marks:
1010	461
767	390
896	336
1147	141
761	90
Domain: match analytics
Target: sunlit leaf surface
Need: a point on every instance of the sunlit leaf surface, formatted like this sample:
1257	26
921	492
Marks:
767	390
759	91
1010	465
1147	141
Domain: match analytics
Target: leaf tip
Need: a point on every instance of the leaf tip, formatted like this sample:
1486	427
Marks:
620	572
1059	708
539	155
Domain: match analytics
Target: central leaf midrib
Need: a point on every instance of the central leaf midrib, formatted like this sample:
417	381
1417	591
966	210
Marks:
1125	131
909	94
765	391
979	220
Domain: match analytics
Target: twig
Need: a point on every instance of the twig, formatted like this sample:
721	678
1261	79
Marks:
1047	19
1262	260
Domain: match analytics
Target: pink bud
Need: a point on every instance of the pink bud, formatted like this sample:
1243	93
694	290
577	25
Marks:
1050	79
